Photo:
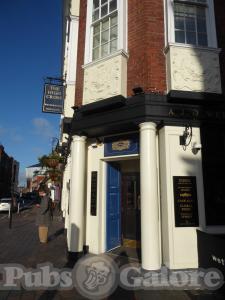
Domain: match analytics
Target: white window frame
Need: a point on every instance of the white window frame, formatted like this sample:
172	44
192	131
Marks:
210	23
122	31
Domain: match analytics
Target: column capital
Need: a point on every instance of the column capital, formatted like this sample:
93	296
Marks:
78	138
148	126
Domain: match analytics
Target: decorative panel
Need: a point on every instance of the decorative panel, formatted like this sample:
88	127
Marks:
105	79
193	69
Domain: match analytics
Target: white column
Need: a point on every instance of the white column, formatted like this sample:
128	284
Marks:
75	237
65	192
150	230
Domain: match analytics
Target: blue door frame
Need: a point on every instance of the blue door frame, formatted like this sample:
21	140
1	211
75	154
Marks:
113	207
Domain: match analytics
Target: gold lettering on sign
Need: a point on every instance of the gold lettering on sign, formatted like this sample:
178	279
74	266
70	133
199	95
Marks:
121	145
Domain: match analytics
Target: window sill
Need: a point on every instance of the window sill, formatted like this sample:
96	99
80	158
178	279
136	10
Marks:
97	61
178	45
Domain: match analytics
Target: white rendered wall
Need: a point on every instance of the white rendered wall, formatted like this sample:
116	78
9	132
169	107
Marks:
69	101
75	7
179	244
93	230
105	78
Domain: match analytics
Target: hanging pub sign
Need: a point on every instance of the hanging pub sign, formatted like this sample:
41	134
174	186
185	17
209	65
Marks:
53	98
185	201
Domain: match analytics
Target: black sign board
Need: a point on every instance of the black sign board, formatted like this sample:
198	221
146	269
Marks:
94	181
53	98
185	201
211	251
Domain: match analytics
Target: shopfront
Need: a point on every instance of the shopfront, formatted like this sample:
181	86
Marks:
135	183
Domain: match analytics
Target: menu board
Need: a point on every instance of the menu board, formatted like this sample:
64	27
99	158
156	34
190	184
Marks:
185	201
94	178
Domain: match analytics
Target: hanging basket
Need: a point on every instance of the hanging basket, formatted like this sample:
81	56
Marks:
54	177
52	162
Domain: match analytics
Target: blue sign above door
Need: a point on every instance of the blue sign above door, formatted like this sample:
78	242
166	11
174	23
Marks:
121	145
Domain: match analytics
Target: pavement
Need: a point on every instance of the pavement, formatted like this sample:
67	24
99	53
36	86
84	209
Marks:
20	245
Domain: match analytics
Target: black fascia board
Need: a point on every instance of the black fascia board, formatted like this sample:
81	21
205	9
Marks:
66	125
103	105
143	108
195	98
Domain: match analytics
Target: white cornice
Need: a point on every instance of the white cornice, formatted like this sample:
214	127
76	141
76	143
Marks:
117	53
184	46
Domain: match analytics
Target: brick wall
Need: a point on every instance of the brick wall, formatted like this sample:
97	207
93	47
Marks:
146	64
80	53
220	28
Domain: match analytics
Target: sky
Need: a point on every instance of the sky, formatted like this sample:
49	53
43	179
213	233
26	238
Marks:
30	50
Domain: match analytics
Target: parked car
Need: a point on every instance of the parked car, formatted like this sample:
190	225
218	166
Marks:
24	203
5	204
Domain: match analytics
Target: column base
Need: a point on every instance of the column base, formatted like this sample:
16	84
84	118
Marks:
73	257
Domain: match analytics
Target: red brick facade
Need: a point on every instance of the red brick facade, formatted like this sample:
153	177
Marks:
146	64
220	28
80	53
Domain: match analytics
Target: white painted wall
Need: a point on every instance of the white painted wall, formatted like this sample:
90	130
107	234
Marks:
179	244
75	7
93	230
69	101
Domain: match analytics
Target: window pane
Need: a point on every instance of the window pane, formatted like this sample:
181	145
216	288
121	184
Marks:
179	37
190	10
201	1
113	46
105	37
104	1
179	23
105	24
104	10
95	4
114	20
179	9
95	15
202	39
201	25
200	12
96	40
190	24
191	38
96	53
104	50
113	33
97	29
112	5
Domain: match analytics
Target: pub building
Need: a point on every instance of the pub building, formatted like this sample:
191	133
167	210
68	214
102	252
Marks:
146	141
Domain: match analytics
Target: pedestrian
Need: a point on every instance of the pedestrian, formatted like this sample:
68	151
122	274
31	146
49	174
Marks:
44	213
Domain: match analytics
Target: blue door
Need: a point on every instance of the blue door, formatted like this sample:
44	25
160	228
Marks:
113	227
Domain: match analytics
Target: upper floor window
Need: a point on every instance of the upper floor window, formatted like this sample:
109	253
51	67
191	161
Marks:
104	28
190	22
